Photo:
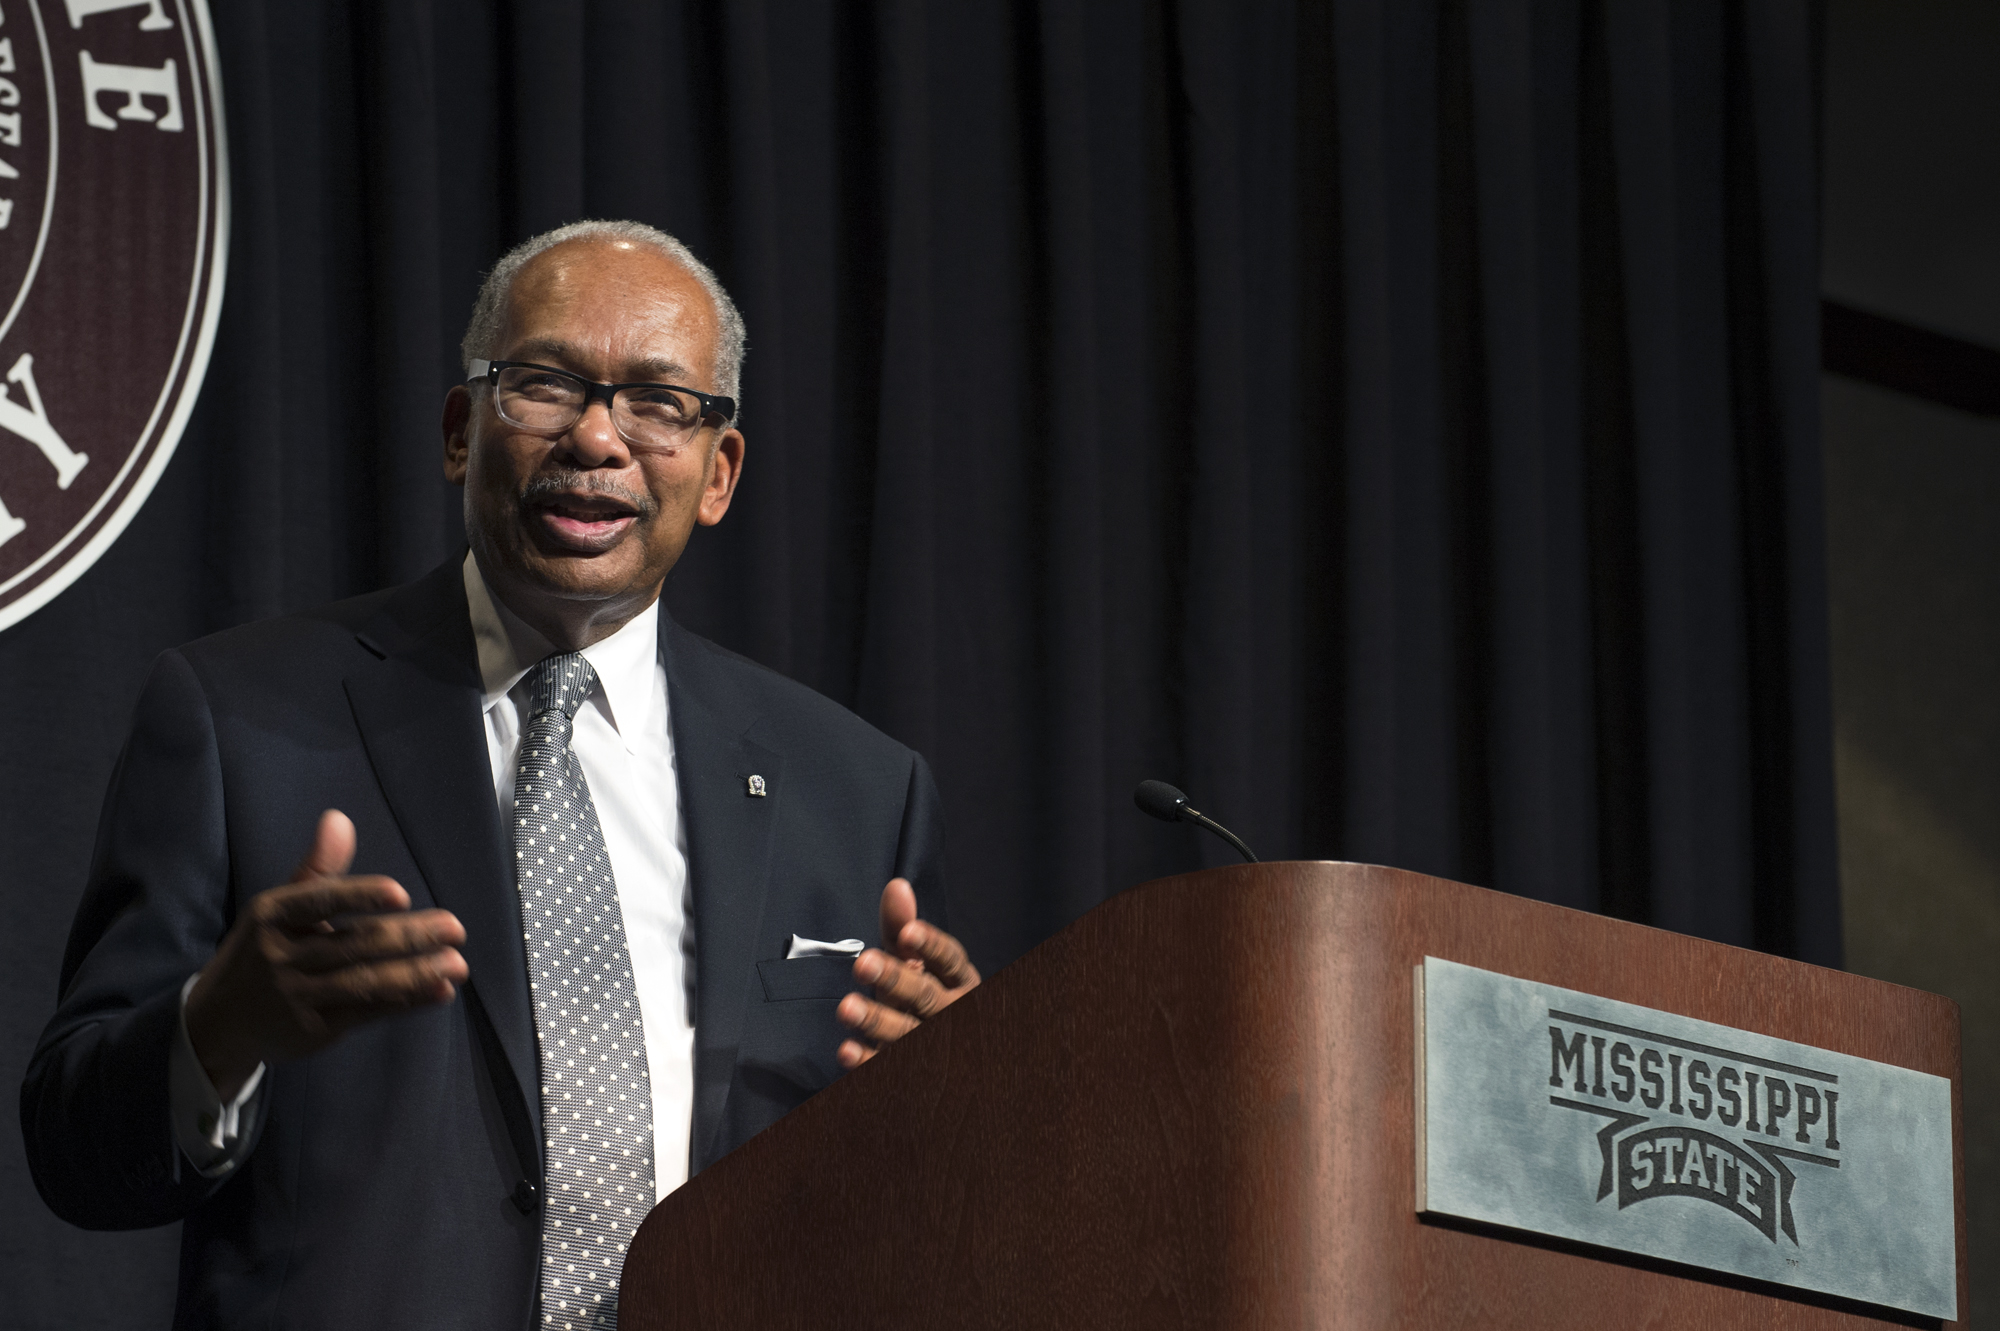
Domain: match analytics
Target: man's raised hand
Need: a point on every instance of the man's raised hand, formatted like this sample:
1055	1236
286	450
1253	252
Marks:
306	961
927	973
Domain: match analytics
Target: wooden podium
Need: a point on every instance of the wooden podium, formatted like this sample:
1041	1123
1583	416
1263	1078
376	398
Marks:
1193	1108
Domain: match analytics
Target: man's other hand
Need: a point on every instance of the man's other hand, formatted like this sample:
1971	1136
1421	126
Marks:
308	960
923	971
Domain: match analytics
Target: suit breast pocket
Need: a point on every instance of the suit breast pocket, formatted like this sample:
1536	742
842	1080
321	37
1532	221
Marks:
787	1050
826	978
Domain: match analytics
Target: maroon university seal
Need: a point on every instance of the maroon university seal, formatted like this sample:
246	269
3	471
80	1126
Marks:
114	209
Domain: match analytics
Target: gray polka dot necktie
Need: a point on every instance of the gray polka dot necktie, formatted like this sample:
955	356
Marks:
597	1106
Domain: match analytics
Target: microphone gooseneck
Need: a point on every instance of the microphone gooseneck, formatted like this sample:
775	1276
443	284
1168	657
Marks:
1169	805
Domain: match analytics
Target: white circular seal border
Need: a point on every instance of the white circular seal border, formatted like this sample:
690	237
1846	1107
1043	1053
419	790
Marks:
190	366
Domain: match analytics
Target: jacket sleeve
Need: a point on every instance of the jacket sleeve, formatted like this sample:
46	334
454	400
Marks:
920	847
94	1103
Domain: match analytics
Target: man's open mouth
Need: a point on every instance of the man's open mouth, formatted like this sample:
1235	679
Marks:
584	522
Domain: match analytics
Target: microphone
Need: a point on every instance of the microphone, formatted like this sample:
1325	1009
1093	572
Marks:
1168	805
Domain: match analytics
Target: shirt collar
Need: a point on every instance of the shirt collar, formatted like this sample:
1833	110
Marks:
625	662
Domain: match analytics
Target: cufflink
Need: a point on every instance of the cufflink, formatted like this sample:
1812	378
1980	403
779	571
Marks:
754	786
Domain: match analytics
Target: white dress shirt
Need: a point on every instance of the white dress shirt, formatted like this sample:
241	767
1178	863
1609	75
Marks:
623	742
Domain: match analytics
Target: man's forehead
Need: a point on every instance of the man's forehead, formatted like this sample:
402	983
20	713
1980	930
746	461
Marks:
573	304
596	261
563	354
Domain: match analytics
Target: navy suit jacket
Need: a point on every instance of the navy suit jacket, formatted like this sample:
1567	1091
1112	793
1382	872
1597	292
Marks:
393	1176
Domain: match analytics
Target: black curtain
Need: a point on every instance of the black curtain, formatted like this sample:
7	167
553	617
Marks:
1393	422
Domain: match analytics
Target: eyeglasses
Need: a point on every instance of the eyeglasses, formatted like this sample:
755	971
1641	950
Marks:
655	417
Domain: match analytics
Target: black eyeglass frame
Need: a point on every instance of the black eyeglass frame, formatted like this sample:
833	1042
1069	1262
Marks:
711	404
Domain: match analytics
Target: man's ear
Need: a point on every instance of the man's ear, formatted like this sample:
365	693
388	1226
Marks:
725	468
457	428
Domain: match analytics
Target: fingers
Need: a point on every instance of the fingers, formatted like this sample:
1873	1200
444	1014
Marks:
332	852
915	940
941	954
873	1021
902	985
306	961
362	939
318	890
905	994
930	972
305	905
899	908
355	994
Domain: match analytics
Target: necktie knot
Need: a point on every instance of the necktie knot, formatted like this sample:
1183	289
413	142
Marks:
560	683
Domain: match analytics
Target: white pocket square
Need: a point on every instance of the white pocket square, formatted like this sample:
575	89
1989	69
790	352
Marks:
812	947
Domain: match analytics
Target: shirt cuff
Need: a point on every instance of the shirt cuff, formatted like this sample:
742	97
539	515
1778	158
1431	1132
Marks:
210	1133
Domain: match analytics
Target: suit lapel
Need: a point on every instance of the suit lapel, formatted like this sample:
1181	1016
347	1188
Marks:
419	713
729	853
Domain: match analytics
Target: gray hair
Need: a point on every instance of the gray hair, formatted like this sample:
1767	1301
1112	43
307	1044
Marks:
482	334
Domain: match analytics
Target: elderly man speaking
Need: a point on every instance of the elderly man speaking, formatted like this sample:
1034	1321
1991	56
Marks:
432	936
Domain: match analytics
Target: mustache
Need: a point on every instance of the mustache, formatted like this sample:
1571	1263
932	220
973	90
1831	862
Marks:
548	485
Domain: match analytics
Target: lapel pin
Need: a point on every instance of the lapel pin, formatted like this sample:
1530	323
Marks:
754	786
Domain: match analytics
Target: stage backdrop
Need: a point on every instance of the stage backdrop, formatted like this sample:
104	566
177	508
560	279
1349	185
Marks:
1393	422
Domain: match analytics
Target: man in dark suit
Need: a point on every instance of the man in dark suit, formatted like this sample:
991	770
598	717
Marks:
582	892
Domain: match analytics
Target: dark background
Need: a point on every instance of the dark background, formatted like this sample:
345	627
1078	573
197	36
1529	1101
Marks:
1396	423
1911	217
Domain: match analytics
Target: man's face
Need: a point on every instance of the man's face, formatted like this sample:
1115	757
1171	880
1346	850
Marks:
578	526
